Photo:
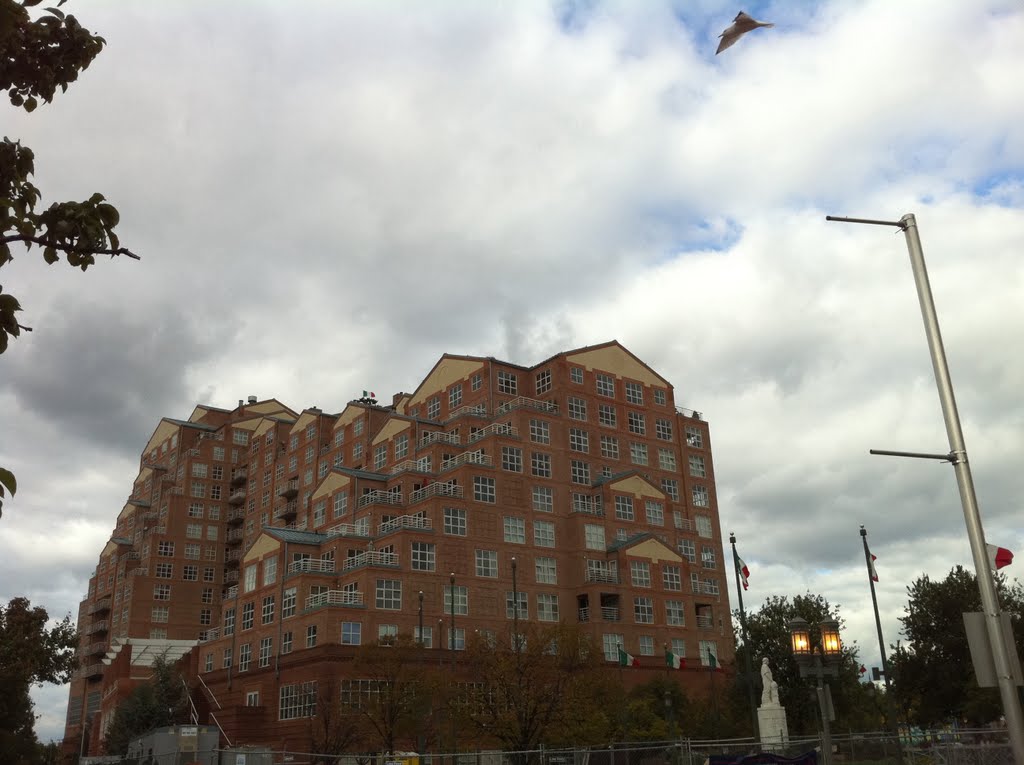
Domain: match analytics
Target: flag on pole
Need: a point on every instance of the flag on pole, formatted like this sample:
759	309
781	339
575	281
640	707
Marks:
675	661
999	557
369	394
627	660
744	571
871	567
713	661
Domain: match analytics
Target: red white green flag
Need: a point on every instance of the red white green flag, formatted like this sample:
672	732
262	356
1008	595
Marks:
626	659
674	660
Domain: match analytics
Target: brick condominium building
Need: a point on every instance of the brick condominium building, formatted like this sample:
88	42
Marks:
268	543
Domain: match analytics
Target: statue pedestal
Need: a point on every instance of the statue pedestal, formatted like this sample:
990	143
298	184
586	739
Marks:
771	722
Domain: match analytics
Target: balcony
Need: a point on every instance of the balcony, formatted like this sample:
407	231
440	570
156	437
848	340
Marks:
235	536
467	458
522	402
439	437
237	497
99	648
236	516
471	410
233	557
230	577
689	412
211	634
684	524
139	571
314	565
406	522
370	558
410	466
335	598
602	576
290	489
705	622
100	606
287	511
97	628
583	614
378	497
92	671
239	477
704	588
232	592
439	489
348	530
610	614
494	429
156	530
587	508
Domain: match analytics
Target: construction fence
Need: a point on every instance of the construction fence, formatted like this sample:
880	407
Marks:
965	747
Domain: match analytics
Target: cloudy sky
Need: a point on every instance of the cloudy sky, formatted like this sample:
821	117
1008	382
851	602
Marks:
329	195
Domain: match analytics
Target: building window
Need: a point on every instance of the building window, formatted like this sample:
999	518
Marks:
165	549
611	644
226	661
229	622
697	466
709	653
655	512
268	609
687	549
250	578
266	647
610	447
205	617
707	557
423	556
207	596
455	396
577	408
248	615
380	456
195	510
483	489
160	614
540	464
389	594
457	640
643	610
209	574
634	393
674	613
659	397
543	499
515	530
297	701
244	657
164	570
192	552
288	600
640	571
542	382
427	638
703	523
605	385
512	459
540	431
476	382
694	437
209	663
340	504
624	508
510	603
461	600
547	607
190	573
507	382
580	472
594	536
351	633
455	521
667	459
269	571
646	645
671	578
287	641
579	440
606	415
546	570
638	453
544	534
486	563
636	423
671	488
311	636
386	634
663	429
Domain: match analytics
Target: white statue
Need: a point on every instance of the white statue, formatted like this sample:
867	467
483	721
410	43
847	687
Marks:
769	688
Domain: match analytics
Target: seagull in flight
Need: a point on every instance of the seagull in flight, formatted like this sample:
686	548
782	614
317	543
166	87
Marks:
740	26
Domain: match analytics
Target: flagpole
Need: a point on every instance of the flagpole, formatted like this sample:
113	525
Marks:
890	701
746	640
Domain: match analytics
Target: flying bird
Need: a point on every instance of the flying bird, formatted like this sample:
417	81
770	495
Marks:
740	26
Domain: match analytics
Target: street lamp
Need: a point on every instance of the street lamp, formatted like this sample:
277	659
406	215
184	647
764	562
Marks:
421	619
818	664
515	607
668	711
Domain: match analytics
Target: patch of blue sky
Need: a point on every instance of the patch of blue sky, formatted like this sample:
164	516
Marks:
573	15
1004	188
674	237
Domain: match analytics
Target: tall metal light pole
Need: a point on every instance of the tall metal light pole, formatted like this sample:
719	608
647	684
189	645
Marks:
515	607
958	457
889	700
421	619
818	665
452	647
746	639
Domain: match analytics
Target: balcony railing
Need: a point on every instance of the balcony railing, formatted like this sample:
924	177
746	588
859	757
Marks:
103	604
604	577
287	510
157	530
289	489
96	649
236	516
239	478
610	614
439	437
584	614
92	671
467	458
406	522
410	466
139	571
494	429
379	497
97	627
689	412
705	622
474	410
233	556
335	598
231	593
317	565
211	634
436	489
348	530
235	536
704	588
237	497
370	558
230	576
522	402
591	508
684	524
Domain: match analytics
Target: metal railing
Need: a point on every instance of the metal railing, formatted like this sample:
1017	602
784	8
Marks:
103	604
410	466
211	634
611	614
232	593
705	622
522	402
406	522
437	489
370	558
316	565
288	508
494	429
689	412
604	576
348	530
475	410
439	437
467	458
380	497
335	598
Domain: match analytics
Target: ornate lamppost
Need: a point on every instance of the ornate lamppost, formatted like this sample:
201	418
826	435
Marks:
819	664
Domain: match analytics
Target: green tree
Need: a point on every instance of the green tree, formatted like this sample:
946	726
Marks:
554	690
933	677
768	632
38	56
646	717
159	702
30	654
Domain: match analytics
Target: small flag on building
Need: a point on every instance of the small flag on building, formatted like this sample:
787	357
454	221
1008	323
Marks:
999	557
369	394
627	660
675	661
744	571
871	567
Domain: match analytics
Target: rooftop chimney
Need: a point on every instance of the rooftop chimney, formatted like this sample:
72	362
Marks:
252	400
240	403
